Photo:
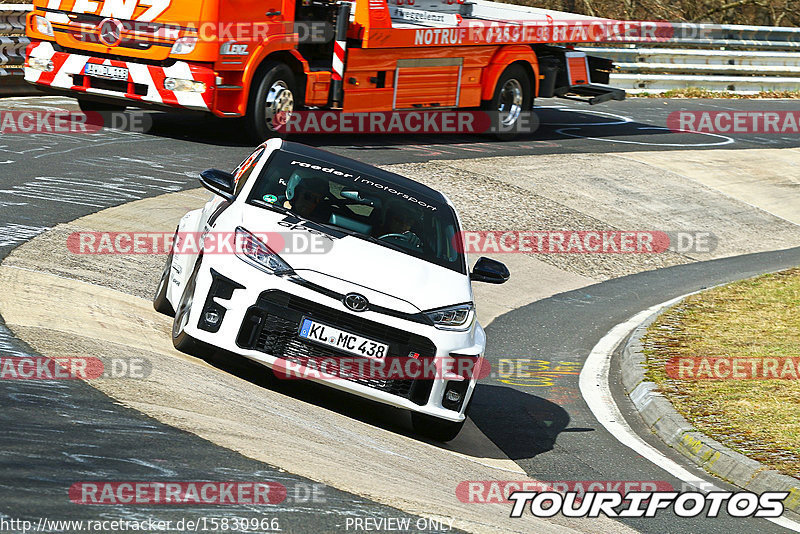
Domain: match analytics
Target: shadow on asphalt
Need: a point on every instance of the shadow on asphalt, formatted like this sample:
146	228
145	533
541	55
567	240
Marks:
555	125
528	428
538	420
529	425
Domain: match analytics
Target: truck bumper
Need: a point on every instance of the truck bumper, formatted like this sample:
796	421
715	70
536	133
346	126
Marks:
145	83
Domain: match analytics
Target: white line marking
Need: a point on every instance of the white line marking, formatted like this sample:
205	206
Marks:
727	140
593	382
622	118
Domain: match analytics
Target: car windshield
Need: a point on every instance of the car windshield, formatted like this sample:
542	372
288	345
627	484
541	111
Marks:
366	207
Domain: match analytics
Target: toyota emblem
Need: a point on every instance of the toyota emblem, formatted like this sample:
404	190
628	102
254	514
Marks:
356	302
111	32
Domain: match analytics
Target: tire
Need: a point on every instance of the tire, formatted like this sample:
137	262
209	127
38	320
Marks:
274	92
160	302
435	428
513	95
180	339
99	107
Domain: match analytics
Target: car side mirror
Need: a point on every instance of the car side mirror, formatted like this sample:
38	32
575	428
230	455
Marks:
219	182
489	271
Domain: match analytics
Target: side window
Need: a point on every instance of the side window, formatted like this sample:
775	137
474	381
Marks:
243	171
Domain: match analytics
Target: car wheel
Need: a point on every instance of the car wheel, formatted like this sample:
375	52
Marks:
512	97
434	427
94	106
273	98
160	301
180	339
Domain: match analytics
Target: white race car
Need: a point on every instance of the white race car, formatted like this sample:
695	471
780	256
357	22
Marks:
324	268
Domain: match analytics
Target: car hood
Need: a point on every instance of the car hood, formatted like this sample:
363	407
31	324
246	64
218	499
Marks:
350	261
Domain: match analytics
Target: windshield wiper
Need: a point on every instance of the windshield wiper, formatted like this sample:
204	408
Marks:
270	206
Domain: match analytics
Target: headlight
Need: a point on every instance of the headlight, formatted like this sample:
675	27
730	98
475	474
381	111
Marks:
42	64
453	318
190	86
252	250
42	25
184	45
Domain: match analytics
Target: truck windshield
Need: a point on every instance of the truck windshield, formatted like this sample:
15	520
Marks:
363	206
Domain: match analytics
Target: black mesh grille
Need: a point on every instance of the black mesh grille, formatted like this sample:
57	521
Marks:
273	324
120	86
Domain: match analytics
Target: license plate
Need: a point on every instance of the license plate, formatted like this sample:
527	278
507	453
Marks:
106	71
345	341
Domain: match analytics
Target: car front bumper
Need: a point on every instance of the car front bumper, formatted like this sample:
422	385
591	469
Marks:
260	321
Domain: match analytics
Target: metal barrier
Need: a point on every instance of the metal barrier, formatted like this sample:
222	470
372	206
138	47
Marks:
726	57
12	48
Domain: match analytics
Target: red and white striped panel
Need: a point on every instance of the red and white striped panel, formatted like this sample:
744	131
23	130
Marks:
338	59
66	65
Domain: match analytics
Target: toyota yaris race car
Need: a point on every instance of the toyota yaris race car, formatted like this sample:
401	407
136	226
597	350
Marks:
324	268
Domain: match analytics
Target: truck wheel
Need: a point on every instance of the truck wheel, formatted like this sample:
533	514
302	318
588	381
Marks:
512	97
435	428
99	107
271	100
180	339
160	302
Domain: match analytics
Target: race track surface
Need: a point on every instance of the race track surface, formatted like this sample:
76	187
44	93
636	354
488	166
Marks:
58	433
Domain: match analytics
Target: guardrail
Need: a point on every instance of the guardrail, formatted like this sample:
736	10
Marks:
726	57
12	48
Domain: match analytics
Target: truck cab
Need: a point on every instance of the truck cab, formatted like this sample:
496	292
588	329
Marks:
263	60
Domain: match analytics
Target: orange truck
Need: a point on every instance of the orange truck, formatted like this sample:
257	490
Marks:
260	60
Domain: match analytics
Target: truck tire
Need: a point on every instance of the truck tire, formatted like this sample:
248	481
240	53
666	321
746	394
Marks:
88	106
513	95
274	94
435	428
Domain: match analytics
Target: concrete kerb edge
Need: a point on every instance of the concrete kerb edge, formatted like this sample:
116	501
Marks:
664	420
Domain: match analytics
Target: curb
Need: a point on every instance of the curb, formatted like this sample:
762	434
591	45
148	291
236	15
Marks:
662	418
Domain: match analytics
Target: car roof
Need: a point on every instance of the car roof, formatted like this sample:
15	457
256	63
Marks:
406	184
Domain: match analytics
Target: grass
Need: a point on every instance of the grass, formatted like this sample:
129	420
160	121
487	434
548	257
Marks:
754	318
696	92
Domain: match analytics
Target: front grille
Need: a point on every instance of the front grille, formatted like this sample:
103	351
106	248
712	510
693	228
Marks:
272	326
156	62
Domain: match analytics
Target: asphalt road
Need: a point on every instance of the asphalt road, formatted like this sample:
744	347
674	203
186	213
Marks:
59	433
547	427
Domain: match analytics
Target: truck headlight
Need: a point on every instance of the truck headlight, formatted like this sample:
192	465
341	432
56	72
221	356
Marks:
42	64
184	45
453	317
42	25
253	251
187	86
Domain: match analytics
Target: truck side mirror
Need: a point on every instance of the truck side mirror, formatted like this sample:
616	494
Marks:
489	271
219	182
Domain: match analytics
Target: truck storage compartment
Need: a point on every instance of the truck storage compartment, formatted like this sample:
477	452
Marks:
430	82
